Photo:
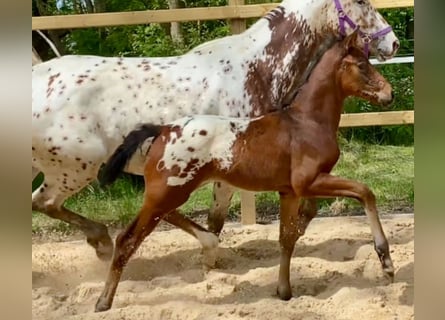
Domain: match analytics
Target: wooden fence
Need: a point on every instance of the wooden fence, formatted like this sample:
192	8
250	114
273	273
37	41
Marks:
237	12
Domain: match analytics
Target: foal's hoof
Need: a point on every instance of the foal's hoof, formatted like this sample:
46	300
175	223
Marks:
102	305
285	293
104	248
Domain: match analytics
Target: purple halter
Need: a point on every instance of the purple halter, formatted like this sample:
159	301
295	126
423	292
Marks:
367	38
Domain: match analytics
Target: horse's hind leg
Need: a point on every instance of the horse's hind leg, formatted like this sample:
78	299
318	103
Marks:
208	240
49	199
330	186
222	195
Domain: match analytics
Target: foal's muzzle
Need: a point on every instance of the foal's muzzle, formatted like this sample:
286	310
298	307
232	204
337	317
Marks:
387	99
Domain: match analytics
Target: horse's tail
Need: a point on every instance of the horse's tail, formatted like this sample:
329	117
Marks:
116	163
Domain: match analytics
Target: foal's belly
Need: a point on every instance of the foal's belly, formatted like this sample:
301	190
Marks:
263	177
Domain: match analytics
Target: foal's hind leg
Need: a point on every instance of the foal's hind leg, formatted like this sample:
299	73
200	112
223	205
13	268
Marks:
127	242
49	199
326	185
159	200
208	240
222	195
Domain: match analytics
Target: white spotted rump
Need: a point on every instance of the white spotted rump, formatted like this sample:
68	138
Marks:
198	141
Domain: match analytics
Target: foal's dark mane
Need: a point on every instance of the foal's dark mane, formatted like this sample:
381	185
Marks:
324	76
318	73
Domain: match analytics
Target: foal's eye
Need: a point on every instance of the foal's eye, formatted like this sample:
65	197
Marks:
361	2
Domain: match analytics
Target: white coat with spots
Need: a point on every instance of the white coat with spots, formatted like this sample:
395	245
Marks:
203	139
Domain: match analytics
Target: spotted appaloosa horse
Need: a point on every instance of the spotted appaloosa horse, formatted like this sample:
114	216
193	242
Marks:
291	151
83	106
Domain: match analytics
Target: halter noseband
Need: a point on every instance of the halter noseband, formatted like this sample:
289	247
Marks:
367	38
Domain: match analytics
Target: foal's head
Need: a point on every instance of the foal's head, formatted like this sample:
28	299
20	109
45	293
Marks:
357	77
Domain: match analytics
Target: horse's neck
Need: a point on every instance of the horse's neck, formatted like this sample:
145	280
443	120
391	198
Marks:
295	35
320	100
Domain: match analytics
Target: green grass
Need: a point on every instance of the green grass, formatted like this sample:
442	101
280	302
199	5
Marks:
387	170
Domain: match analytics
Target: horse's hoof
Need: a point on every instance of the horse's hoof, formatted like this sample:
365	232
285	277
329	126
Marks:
209	258
102	305
104	253
285	293
104	249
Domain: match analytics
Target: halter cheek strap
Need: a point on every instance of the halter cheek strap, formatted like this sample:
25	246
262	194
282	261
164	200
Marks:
367	38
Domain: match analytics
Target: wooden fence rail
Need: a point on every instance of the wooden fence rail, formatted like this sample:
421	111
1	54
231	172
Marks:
237	12
232	11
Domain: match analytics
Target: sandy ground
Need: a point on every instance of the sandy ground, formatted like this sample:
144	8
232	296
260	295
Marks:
335	274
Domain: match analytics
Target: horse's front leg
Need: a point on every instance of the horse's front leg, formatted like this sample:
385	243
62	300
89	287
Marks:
326	185
289	234
306	212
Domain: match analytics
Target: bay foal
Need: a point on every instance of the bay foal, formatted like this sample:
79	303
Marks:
291	151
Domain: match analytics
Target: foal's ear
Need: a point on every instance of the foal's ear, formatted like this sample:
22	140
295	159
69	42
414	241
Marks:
348	61
351	40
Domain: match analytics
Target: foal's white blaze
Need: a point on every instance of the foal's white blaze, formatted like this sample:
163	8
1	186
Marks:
200	141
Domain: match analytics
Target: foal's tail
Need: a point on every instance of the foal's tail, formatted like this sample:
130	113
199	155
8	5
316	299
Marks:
116	163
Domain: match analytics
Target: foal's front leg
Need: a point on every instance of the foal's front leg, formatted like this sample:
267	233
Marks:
295	216
326	185
289	205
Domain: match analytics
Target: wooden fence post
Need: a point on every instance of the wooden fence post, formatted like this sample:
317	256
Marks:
237	25
248	211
